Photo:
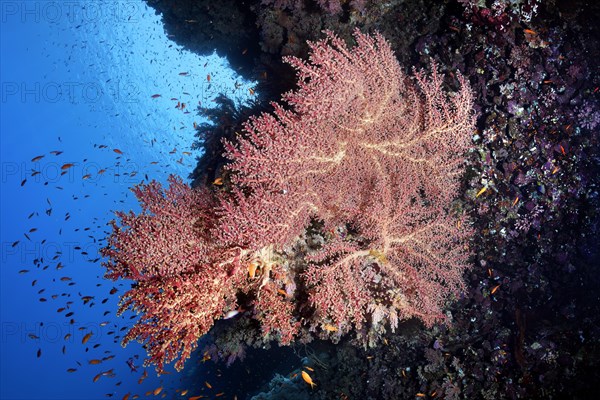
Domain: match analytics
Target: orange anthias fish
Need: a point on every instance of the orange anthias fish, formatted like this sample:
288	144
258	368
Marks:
252	269
86	338
308	379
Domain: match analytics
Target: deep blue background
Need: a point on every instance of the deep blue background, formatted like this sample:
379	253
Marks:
78	75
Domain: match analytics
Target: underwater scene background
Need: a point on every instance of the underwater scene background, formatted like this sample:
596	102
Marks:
376	199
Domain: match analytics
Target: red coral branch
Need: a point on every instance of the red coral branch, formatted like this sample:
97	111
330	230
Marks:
371	153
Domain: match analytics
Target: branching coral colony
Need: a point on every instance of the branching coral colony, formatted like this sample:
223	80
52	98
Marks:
335	216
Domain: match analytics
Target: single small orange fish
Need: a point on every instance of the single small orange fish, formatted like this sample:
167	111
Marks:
306	377
38	158
494	289
515	201
482	191
67	166
252	269
117	151
282	292
208	385
218	181
94	362
157	391
562	150
420	395
208	77
86	338
310	369
251	91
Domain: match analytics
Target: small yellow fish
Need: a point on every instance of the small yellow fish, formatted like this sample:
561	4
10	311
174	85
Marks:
329	328
482	191
218	181
308	379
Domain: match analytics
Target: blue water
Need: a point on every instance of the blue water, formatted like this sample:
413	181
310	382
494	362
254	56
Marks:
78	78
